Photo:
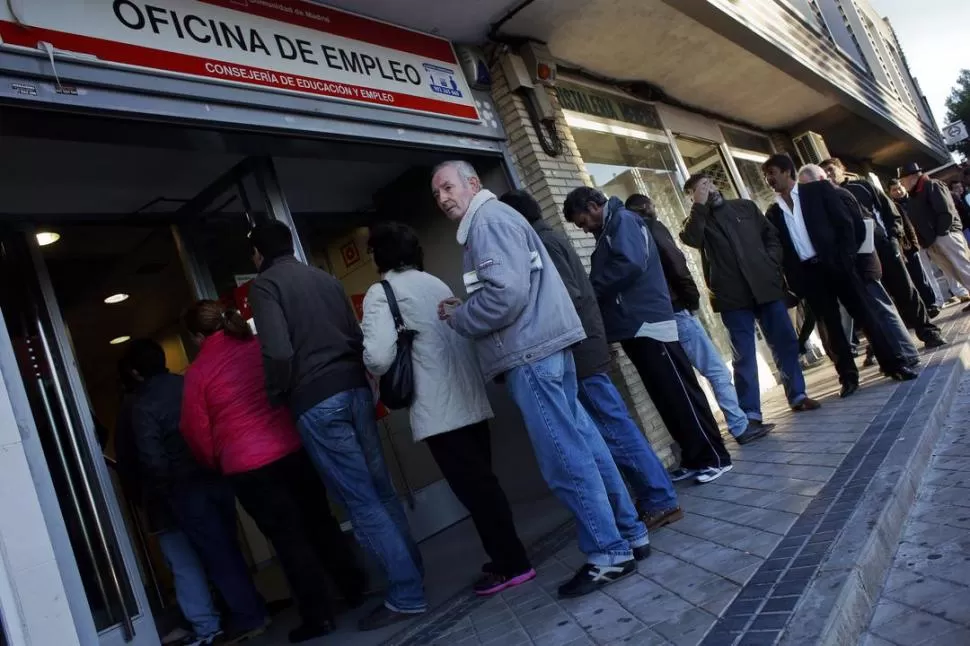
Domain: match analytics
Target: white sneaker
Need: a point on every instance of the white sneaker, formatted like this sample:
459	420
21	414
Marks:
710	474
682	474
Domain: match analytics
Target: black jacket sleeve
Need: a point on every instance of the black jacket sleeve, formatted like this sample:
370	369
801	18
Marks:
566	271
274	339
943	207
890	214
674	264
156	467
845	217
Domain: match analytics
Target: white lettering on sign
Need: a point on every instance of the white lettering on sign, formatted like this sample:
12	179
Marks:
286	45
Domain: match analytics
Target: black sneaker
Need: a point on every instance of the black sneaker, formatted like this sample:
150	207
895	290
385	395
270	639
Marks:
935	341
306	632
755	431
591	578
382	617
641	553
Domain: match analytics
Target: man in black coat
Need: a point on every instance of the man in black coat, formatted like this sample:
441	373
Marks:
742	256
895	277
909	243
821	238
633	454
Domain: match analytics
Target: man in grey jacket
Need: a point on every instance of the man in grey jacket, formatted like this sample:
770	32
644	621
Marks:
632	452
523	323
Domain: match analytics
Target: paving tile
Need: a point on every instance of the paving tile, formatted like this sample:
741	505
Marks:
913	628
686	629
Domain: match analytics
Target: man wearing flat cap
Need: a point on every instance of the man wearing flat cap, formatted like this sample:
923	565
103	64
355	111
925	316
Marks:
937	223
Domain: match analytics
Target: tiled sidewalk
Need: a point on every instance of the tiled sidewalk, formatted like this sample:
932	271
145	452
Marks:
740	561
926	598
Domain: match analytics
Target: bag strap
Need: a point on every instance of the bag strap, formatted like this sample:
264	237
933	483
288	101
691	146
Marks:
392	304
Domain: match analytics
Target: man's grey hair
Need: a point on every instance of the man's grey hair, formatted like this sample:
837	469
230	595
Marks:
812	173
465	170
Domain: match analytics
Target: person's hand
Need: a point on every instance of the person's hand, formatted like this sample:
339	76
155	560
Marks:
447	307
702	191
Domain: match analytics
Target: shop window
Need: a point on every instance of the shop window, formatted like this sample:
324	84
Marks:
705	157
623	165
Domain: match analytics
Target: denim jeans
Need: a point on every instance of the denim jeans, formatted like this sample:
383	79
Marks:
887	316
341	436
206	514
191	584
704	356
630	449
780	334
575	460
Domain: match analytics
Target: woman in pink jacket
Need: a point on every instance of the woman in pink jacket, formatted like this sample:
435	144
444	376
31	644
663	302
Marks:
230	426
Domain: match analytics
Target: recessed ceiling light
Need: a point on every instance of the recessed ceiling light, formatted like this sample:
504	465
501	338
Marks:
116	298
45	238
119	340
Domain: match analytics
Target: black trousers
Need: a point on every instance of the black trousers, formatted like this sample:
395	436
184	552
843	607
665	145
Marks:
465	459
289	504
825	287
669	378
899	284
920	280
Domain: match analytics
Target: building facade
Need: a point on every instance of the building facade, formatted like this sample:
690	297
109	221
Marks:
148	138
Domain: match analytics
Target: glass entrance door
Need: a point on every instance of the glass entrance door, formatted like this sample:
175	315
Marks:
102	560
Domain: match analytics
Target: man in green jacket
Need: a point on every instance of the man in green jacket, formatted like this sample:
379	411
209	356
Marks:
741	254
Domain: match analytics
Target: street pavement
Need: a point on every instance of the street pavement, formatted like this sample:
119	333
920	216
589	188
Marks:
759	547
926	597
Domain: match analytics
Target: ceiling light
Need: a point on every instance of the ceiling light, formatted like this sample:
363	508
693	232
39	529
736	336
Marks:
120	339
45	238
116	298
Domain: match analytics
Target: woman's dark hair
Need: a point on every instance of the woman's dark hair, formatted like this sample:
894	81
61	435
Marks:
783	163
395	246
578	201
641	204
524	203
208	317
272	239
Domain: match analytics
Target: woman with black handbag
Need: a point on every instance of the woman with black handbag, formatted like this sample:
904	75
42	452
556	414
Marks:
440	382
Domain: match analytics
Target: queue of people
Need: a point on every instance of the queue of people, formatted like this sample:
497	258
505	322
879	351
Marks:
282	419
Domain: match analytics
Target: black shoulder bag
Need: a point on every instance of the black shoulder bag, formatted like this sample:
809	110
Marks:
397	384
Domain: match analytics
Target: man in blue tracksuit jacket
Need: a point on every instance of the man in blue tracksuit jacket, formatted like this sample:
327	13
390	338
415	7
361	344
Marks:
631	289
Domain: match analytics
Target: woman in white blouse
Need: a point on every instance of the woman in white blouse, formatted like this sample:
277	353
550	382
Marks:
450	408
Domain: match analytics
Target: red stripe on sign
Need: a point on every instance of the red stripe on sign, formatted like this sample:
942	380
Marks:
346	25
123	53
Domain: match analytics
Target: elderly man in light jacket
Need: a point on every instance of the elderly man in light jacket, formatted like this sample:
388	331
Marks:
523	322
449	407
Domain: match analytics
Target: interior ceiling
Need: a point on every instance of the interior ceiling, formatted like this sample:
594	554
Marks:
59	177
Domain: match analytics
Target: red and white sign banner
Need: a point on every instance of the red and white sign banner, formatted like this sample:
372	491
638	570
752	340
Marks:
285	45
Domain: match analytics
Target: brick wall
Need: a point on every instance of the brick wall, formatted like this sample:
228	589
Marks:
549	180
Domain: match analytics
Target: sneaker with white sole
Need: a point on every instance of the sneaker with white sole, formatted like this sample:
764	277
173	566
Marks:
591	578
710	474
682	474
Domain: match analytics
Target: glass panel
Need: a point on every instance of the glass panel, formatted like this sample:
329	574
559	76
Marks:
60	424
746	140
608	106
754	180
621	166
705	157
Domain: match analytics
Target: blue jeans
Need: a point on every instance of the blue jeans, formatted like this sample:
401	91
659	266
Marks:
340	434
780	334
885	314
206	514
630	449
704	356
191	584
574	459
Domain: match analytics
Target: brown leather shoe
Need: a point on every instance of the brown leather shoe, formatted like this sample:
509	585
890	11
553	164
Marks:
658	519
806	404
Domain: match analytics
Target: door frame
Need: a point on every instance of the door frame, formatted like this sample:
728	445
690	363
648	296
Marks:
137	626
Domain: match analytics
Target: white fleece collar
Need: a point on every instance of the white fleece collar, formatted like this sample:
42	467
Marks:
464	227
